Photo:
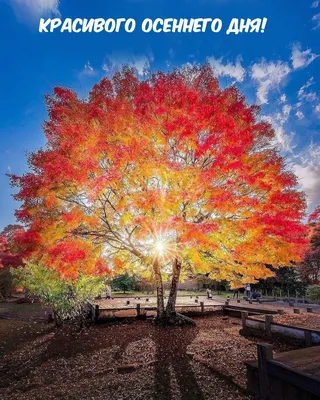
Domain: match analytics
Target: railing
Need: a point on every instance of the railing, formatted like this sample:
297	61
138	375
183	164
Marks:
201	308
276	379
269	328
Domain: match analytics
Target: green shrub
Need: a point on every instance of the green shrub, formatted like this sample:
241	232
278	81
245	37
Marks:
313	292
68	299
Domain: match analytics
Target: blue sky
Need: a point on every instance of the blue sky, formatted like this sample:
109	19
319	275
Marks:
278	69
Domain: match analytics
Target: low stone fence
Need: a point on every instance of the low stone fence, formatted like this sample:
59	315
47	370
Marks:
270	328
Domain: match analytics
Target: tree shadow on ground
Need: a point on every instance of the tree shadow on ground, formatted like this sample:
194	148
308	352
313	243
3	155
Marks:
171	356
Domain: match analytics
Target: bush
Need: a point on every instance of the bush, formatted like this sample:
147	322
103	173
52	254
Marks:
313	292
6	282
68	299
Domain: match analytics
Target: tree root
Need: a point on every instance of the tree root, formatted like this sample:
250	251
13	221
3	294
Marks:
173	319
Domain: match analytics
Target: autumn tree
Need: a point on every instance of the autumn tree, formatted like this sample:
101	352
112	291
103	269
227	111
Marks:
310	266
10	257
171	175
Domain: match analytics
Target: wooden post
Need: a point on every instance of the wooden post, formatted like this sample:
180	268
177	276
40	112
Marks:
307	338
264	355
202	306
128	302
96	312
244	316
226	302
309	309
147	299
138	310
50	318
296	310
268	321
238	301
196	300
281	312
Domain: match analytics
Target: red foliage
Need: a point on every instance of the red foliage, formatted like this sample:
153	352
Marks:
173	155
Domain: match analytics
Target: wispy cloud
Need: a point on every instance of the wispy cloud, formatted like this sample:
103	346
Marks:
307	96
140	63
32	9
315	4
301	58
268	75
87	71
283	98
299	115
231	70
278	120
316	21
306	167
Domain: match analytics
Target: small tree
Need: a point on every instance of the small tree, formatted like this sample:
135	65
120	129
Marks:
68	299
310	266
123	282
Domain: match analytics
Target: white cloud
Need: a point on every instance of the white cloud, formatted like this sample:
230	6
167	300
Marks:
283	98
9	169
32	9
300	115
316	20
315	4
235	71
283	139
306	167
310	96
140	63
283	116
268	75
317	108
301	58
87	70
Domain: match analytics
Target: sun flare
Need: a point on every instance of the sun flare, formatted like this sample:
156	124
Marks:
160	247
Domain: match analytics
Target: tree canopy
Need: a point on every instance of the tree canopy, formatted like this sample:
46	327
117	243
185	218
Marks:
171	167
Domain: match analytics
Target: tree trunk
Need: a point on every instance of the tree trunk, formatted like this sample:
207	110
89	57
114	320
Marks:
171	305
169	317
158	277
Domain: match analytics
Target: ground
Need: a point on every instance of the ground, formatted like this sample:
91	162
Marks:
304	320
128	360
